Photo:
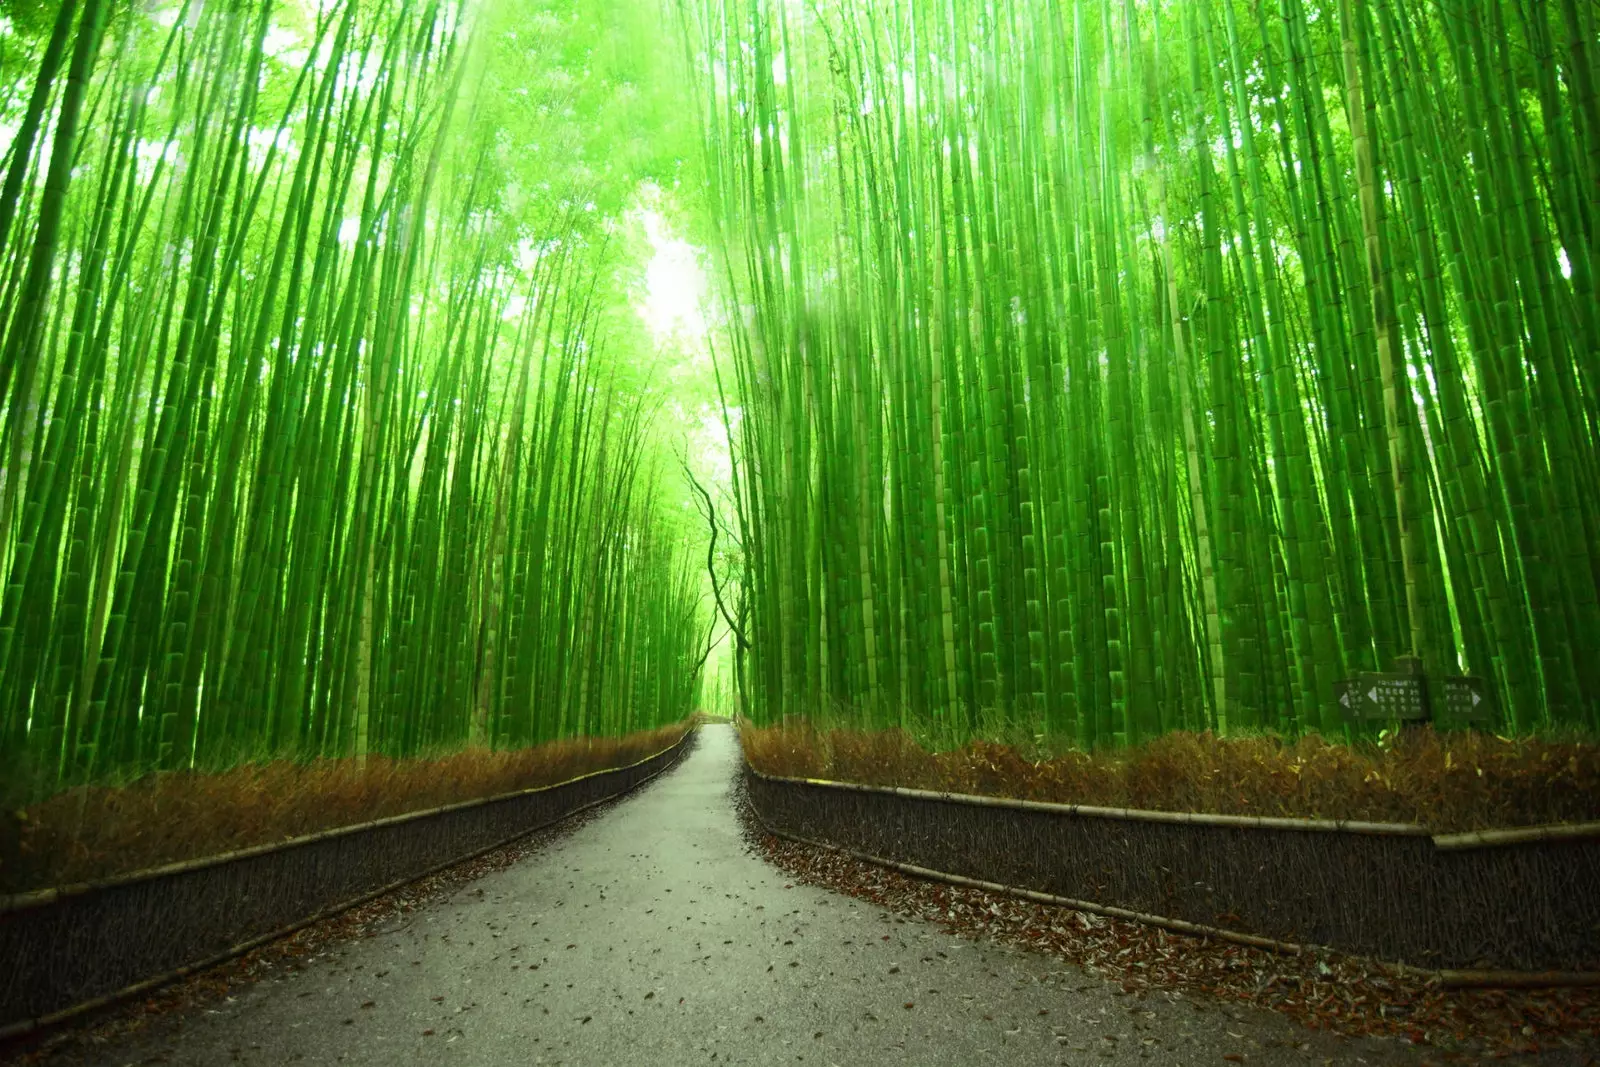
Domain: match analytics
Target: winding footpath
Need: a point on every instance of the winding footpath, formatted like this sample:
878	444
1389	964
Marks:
653	936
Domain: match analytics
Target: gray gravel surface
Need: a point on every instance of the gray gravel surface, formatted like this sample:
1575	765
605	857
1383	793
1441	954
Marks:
653	935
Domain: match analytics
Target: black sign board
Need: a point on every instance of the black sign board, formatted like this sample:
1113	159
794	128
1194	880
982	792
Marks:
1382	696
1464	698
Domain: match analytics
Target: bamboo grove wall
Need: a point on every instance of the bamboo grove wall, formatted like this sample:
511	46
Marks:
1383	891
311	446
86	943
1130	366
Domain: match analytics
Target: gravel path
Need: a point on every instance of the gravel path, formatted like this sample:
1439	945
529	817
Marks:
654	935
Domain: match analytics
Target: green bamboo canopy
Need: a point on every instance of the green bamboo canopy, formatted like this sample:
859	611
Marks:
1100	366
1119	366
312	444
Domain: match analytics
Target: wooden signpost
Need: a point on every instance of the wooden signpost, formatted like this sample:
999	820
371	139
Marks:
1409	696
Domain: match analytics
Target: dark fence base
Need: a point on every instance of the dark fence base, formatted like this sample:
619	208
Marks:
1532	907
90	945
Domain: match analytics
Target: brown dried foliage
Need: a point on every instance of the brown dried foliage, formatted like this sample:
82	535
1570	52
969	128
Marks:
1453	781
99	832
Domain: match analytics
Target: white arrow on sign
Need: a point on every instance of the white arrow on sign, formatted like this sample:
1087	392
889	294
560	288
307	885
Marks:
1344	698
1372	694
1476	700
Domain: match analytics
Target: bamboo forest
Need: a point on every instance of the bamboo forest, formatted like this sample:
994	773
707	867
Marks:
1143	366
1110	366
898	533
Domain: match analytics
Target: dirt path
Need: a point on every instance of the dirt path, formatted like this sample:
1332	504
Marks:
653	936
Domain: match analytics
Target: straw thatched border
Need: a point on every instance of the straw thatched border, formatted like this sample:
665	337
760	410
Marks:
76	948
1492	907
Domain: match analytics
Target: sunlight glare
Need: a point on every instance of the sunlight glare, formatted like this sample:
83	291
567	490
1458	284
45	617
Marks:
675	285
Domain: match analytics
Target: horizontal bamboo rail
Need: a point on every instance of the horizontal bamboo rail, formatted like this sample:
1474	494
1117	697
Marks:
1454	842
1580	831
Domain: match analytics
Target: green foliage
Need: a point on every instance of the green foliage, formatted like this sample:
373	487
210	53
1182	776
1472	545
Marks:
313	439
30	18
1139	366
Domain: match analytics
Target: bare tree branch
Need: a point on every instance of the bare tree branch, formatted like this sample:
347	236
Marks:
711	555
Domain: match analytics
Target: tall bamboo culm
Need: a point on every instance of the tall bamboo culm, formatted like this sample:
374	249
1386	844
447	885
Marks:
1118	366
311	445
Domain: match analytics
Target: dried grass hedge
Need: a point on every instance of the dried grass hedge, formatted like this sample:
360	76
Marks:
100	831
1448	781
